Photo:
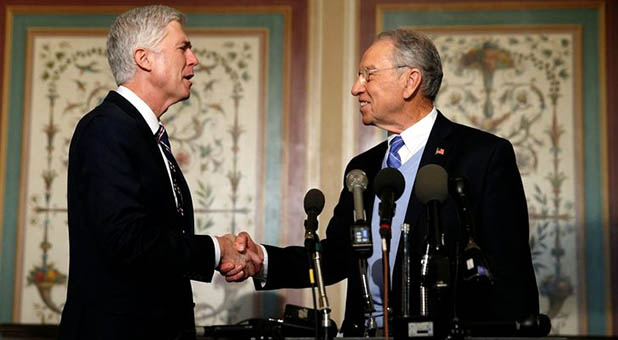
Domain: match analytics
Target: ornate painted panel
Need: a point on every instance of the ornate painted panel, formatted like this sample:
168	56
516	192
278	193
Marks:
521	86
229	139
531	73
217	136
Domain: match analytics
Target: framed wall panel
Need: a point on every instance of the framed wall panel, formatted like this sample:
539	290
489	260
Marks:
532	72
231	137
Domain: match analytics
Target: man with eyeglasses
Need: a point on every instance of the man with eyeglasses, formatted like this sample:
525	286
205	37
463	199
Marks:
398	80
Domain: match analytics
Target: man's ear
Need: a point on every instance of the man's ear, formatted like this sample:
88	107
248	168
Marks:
413	83
143	58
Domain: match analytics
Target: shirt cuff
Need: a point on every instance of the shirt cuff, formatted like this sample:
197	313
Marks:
262	276
217	257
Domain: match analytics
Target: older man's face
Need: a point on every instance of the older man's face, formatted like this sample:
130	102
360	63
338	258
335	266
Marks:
379	86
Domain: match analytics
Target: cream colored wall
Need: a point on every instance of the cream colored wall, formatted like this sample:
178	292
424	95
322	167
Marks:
332	111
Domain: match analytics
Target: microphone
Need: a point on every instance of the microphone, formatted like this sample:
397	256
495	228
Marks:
356	181
534	325
314	203
389	185
360	231
431	184
360	236
431	189
475	266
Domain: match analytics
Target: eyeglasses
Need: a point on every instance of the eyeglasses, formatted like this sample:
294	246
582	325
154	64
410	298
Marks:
365	74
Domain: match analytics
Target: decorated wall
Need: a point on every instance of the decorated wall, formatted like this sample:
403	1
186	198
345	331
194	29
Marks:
534	73
271	116
230	138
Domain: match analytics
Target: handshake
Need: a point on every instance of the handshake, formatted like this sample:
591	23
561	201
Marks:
240	257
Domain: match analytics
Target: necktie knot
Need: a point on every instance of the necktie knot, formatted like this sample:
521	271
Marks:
394	160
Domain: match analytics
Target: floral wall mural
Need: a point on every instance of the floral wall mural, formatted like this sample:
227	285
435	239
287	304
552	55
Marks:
230	138
217	137
521	86
534	73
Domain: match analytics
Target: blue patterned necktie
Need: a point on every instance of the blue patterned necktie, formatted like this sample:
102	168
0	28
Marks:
164	141
394	161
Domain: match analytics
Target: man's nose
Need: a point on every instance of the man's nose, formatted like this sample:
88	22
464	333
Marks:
358	87
192	58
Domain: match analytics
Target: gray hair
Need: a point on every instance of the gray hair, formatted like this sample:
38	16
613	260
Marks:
416	50
138	27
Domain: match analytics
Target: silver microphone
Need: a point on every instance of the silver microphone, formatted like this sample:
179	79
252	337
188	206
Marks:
360	236
356	181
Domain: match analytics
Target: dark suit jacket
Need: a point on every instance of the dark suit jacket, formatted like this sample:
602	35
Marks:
497	198
131	254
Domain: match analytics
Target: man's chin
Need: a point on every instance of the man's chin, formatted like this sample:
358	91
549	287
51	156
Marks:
181	98
367	121
185	96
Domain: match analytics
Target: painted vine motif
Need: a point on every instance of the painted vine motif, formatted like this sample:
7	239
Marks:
520	86
207	133
48	203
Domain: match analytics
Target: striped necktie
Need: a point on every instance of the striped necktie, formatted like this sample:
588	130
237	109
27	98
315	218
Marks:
394	161
164	141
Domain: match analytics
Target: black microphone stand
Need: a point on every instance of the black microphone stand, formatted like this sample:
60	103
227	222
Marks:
436	272
314	203
310	241
456	331
476	268
363	247
313	245
431	189
323	300
362	244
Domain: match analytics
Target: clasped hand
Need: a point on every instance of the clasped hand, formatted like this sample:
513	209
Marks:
240	257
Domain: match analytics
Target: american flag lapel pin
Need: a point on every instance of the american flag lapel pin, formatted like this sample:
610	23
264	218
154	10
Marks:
439	151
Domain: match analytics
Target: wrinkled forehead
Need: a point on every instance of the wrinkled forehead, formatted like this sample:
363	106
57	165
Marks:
378	55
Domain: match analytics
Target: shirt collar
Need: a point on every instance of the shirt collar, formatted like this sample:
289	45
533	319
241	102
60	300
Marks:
416	136
141	106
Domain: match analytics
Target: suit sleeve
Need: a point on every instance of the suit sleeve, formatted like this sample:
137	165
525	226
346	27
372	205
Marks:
117	213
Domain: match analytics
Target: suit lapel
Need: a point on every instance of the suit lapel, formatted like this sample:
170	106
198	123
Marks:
437	151
145	130
132	111
143	127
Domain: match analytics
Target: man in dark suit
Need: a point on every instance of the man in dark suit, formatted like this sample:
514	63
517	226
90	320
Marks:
399	78
133	250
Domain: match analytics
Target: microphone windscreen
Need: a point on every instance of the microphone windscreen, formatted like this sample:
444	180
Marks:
535	325
389	179
314	201
544	325
431	184
356	178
